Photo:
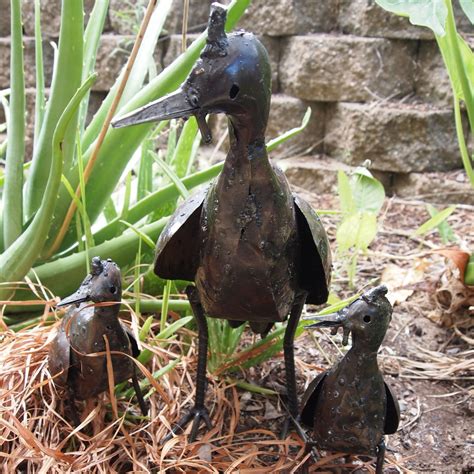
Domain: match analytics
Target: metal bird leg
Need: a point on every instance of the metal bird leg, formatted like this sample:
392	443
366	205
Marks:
199	411
288	348
138	392
380	457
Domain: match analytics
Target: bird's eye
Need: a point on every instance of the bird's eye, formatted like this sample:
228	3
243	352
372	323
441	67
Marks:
113	289
193	100
367	318
234	91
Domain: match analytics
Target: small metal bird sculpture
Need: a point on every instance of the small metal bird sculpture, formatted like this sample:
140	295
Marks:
350	407
255	251
82	333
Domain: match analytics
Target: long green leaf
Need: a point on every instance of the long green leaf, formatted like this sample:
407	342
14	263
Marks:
137	74
67	78
12	193
172	176
120	144
94	28
184	148
435	221
17	260
40	103
148	204
468	7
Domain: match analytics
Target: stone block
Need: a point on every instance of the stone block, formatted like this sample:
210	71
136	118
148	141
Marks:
95	101
395	137
318	173
50	16
173	47
173	50
5	17
443	188
111	57
366	18
28	61
286	112
315	173
431	79
346	68
126	16
432	82
289	17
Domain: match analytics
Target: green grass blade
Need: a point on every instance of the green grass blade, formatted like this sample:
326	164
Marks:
183	151
172	176
435	221
40	103
110	212
120	144
148	204
272	144
127	196
17	260
66	80
145	169
164	310
13	193
94	28
143	236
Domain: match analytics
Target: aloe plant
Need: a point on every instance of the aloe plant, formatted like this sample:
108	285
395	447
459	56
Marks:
457	55
28	231
32	245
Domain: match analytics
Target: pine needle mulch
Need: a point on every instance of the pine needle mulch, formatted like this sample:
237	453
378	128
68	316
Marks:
36	434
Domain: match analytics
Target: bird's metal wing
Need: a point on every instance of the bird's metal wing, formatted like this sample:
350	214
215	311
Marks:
315	261
133	341
310	398
177	249
59	358
392	416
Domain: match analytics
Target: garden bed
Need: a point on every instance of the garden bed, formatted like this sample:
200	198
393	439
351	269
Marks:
430	368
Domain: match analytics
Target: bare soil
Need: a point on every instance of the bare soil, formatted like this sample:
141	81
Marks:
434	388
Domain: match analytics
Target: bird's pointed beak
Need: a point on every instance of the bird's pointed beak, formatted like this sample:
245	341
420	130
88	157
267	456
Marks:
327	320
171	106
80	296
334	321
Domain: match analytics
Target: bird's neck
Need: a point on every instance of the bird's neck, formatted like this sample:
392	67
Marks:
107	314
247	144
362	356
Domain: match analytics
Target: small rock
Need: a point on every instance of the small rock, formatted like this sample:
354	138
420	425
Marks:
271	412
205	452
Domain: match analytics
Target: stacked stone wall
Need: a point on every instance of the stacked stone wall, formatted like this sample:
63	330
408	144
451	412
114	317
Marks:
375	83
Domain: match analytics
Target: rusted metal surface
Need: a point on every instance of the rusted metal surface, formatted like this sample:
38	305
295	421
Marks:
82	332
254	250
350	407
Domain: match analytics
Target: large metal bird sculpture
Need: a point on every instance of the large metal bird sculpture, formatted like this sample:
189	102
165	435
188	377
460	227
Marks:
255	251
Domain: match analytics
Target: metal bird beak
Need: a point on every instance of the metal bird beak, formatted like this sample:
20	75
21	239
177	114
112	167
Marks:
80	296
171	106
334	321
327	320
175	105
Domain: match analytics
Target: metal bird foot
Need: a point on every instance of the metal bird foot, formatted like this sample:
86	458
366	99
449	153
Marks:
196	414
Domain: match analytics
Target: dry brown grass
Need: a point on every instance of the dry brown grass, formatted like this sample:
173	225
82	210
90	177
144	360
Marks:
36	436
